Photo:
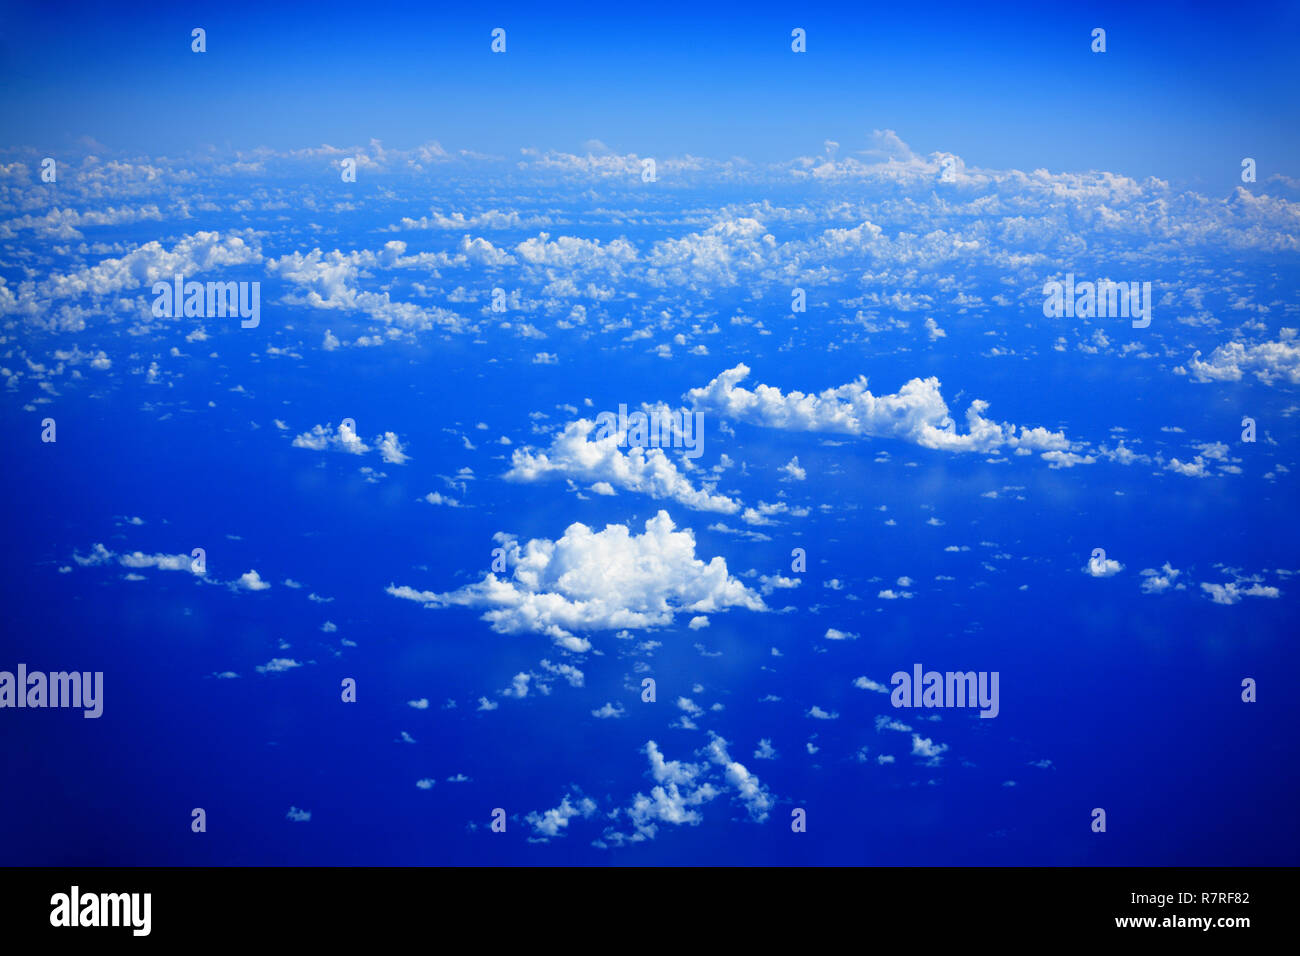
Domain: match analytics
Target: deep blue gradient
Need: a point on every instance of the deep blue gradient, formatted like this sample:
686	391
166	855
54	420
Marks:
1110	697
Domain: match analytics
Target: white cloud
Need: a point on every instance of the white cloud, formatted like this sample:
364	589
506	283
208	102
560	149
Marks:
548	824
646	471
916	414
435	498
866	683
677	794
322	437
1100	566
251	581
750	789
278	665
1269	361
598	580
391	450
1157	582
772	582
164	562
927	748
1232	592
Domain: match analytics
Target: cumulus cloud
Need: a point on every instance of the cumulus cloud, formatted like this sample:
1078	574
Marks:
866	683
332	281
749	789
916	413
926	748
771	582
597	580
345	439
1158	582
645	471
1232	592
792	470
192	255
390	449
322	437
250	581
1270	362
551	823
675	798
163	562
1100	566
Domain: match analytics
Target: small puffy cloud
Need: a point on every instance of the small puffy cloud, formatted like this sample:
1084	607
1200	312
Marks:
435	498
750	791
278	665
518	686
1158	582
767	583
679	790
817	713
298	816
604	461
323	437
835	634
927	748
1100	566
164	562
1233	592
391	450
792	471
866	683
549	823
251	581
98	555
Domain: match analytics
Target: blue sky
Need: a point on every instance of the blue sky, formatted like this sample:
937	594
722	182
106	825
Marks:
1182	91
396	479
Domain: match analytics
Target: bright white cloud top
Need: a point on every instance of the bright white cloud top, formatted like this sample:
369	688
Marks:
646	471
916	413
597	580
